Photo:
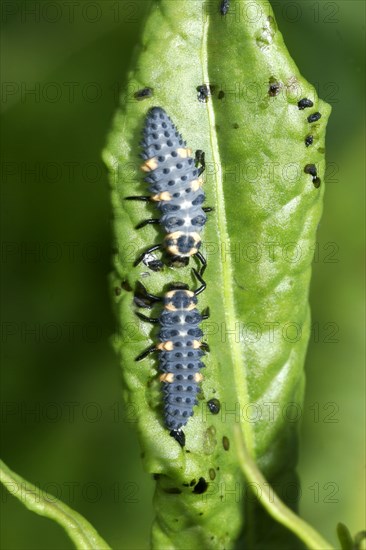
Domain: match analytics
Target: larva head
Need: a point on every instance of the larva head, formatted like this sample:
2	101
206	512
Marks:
182	244
180	299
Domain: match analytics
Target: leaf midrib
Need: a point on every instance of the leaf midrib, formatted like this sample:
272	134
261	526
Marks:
241	386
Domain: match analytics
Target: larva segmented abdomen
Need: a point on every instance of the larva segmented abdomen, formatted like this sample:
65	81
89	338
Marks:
181	364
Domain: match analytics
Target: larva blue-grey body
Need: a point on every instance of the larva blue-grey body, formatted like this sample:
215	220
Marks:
180	357
180	350
174	183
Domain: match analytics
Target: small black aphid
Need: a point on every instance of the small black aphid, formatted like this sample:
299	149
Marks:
224	6
274	89
309	140
314	117
204	92
214	406
221	94
143	94
226	443
152	262
304	103
310	169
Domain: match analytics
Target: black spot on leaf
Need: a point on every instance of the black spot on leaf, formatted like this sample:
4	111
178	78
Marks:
201	486
143	94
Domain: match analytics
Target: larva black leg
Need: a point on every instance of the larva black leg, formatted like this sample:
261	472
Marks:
145	353
203	262
179	436
138	198
205	313
143	298
145	318
205	346
199	278
147	222
148	251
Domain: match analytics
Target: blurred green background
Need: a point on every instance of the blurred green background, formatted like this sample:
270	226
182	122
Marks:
65	427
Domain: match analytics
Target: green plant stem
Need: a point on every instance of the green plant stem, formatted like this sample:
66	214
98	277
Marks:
272	503
83	535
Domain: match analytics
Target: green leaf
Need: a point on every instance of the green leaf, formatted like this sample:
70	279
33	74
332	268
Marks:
83	535
359	537
270	501
346	540
344	536
259	243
